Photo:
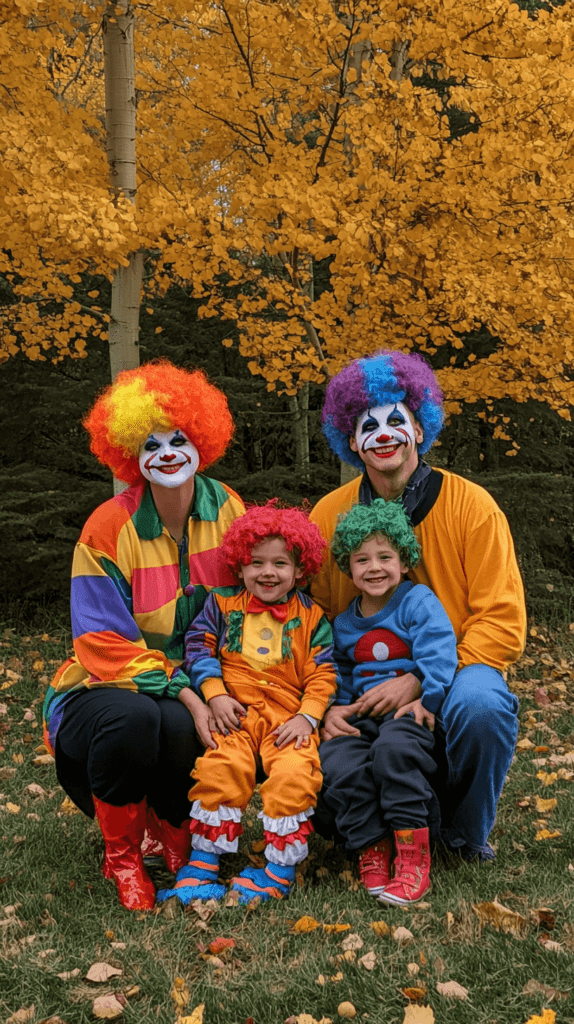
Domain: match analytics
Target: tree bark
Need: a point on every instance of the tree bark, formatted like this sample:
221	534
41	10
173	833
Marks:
119	72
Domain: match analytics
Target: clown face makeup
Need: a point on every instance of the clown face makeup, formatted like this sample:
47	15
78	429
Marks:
385	428
169	459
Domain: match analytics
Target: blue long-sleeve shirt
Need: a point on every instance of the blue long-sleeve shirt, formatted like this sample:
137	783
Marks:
411	634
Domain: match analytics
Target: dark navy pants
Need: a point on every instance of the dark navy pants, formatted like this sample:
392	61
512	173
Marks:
379	781
479	717
124	746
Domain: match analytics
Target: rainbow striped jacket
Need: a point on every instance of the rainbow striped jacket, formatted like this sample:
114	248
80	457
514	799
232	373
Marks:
135	591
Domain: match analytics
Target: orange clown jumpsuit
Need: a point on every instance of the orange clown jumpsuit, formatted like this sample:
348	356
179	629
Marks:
277	663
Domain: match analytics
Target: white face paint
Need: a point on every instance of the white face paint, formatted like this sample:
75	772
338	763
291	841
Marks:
168	459
385	428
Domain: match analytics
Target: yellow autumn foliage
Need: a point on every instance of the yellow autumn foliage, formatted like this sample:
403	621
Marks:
277	139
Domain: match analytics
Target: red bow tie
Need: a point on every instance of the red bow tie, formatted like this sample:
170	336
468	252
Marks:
278	611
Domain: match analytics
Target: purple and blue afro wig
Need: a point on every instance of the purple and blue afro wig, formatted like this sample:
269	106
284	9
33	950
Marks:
380	379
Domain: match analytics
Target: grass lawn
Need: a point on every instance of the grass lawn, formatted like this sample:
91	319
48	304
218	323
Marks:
58	916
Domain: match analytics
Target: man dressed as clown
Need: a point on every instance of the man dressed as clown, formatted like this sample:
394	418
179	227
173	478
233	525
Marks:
119	715
381	414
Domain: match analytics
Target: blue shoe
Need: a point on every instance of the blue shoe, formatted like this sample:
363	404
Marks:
196	881
271	882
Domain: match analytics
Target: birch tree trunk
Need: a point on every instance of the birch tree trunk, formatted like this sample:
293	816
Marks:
119	72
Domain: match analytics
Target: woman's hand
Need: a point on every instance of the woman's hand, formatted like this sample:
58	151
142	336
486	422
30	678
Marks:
203	717
228	712
297	728
391	695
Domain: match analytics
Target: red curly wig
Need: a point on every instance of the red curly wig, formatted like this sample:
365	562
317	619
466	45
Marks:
262	522
157	397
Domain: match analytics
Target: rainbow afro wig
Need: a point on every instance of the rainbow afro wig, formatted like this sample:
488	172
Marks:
363	521
263	522
157	397
381	379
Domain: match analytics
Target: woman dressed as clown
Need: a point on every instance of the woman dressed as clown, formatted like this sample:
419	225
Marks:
123	724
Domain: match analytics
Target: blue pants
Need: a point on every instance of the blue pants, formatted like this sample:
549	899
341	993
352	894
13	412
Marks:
479	718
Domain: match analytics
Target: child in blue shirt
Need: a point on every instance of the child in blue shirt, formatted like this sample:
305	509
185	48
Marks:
380	793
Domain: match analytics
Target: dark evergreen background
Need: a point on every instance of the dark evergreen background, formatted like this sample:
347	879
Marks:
50	482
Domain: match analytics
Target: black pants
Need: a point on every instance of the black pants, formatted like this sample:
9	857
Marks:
122	747
377	782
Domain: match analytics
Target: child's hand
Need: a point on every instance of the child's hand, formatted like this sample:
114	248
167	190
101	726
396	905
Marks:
297	728
421	714
227	712
335	722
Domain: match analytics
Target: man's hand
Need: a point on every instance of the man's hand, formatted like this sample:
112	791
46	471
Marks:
388	696
335	722
228	713
421	714
202	715
297	728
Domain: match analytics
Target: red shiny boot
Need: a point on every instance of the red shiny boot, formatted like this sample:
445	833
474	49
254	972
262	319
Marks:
375	866
176	842
411	868
123	830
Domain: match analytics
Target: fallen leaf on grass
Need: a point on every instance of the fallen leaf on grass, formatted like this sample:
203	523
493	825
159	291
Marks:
7	773
220	944
102	972
66	975
24	1014
415	994
118	945
213	961
402	935
544	917
304	1018
42	759
547	778
380	928
544	806
534	988
330	928
34	789
347	1010
180	993
552	946
525	744
451	990
547	1017
194	1018
544	833
337	977
352	941
501	918
13	808
415	1014
304	925
107	1007
413	969
68	807
369	960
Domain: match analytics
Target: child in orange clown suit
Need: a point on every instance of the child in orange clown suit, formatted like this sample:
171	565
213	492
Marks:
262	656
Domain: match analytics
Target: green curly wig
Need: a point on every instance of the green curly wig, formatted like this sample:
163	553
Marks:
363	521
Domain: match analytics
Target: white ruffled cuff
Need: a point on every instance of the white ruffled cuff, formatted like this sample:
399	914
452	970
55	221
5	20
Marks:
223	813
285	826
293	853
221	845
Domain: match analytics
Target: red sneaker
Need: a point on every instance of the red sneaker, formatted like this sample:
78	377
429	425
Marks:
411	868
375	866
